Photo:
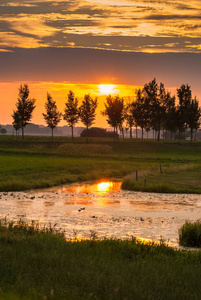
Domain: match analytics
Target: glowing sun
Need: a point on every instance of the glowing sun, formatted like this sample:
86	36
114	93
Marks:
106	89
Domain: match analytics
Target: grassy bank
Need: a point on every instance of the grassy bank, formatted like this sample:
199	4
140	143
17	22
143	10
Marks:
41	264
36	162
184	178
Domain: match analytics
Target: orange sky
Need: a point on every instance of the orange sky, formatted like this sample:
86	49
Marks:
59	91
57	45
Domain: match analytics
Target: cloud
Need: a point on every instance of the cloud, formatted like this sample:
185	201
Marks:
52	23
32	26
8	39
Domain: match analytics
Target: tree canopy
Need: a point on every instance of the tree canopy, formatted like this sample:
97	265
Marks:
52	116
87	111
24	109
71	110
114	112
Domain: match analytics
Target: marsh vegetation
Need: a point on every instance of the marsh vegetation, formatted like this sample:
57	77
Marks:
41	264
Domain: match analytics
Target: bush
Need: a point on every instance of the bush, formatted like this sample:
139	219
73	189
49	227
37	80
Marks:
98	132
190	234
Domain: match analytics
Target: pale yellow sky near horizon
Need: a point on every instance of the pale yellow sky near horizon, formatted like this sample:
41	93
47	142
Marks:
59	91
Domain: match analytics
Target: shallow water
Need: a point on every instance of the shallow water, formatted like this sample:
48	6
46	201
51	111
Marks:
105	209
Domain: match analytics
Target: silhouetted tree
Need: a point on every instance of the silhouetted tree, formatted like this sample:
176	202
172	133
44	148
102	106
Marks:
194	114
16	121
155	97
147	129
128	115
141	111
185	96
71	111
25	107
3	130
114	111
87	111
170	122
52	116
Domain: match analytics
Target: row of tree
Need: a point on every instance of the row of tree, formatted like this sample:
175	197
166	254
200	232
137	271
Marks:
72	113
153	108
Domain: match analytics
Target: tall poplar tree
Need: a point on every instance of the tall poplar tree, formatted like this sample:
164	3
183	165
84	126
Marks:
170	122
155	96
194	113
71	111
141	112
87	111
25	107
185	97
114	111
128	115
16	121
52	116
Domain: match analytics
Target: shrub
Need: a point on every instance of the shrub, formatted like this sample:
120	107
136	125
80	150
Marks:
190	234
98	132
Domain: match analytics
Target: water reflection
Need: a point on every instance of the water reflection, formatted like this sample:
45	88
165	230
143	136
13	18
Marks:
102	187
49	203
106	209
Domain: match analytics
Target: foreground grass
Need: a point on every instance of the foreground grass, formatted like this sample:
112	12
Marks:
36	162
41	264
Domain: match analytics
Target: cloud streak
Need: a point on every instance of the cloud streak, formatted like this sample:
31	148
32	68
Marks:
36	23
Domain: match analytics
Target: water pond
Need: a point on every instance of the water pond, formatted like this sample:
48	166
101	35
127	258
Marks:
104	208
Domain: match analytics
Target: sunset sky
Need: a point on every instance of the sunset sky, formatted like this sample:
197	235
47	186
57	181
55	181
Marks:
59	45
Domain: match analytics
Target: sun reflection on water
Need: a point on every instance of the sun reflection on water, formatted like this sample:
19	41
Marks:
102	187
105	186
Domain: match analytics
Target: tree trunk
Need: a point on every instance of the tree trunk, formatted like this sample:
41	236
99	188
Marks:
195	135
117	133
136	132
52	134
142	134
22	132
130	132
191	134
179	136
87	135
159	130
114	134
72	131
122	132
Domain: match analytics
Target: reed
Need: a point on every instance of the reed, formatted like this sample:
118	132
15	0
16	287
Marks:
190	234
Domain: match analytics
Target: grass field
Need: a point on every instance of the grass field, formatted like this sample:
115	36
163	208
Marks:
41	264
36	162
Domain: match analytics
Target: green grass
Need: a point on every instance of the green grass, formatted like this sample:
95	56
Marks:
190	234
181	178
41	264
37	162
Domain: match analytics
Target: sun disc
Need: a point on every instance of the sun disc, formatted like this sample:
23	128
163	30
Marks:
106	89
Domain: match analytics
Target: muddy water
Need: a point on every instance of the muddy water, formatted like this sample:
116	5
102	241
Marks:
105	209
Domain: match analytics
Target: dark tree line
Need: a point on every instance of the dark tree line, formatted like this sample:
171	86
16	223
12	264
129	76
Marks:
72	113
154	108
